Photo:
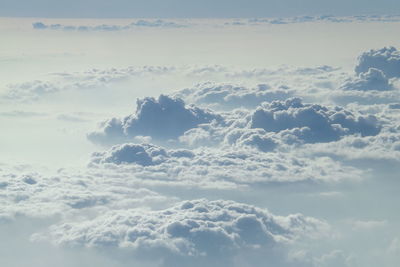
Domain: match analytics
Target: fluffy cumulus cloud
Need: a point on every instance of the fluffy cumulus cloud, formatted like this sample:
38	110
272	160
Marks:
144	154
314	123
373	79
384	147
199	231
169	118
386	59
183	23
228	96
161	119
218	138
223	168
234	148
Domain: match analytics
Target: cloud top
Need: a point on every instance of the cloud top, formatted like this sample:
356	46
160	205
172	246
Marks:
386	59
161	119
195	228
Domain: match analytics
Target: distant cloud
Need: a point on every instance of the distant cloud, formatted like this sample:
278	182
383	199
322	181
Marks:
28	91
386	59
227	96
298	81
144	154
315	123
22	114
239	22
30	194
309	19
158	23
383	147
359	225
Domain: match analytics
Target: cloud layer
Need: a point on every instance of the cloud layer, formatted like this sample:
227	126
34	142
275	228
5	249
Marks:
158	23
195	229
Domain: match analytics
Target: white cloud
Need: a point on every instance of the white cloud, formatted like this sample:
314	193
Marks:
228	96
216	168
152	23
144	155
26	193
195	229
65	81
312	19
385	146
315	123
386	59
372	79
162	119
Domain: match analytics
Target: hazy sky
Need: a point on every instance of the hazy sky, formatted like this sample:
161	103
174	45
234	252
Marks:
193	8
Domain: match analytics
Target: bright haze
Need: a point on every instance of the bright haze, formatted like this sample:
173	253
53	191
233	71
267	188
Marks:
199	133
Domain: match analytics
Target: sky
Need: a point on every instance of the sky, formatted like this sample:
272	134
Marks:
193	9
191	134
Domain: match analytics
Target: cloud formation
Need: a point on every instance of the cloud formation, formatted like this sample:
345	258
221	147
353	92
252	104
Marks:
234	167
144	154
313	123
161	119
196	230
386	59
158	23
373	79
228	96
30	194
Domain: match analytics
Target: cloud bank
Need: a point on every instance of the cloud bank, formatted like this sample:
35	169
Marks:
198	231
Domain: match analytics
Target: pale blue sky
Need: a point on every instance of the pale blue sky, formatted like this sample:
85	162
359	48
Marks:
191	8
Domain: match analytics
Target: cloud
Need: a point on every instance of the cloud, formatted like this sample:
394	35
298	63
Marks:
161	119
220	95
314	123
290	121
144	154
333	259
22	114
373	79
33	195
386	59
158	23
226	168
227	96
311	19
196	230
64	81
30	90
385	146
